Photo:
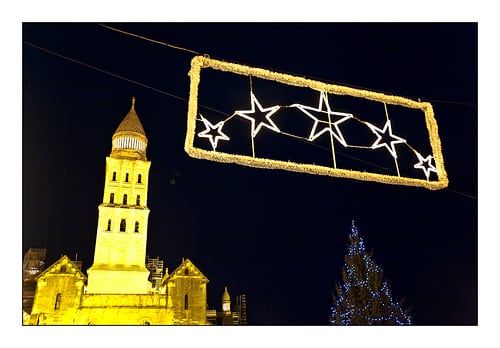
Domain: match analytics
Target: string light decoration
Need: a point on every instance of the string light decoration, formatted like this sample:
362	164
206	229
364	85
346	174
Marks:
324	107
209	132
256	124
386	132
425	164
325	121
364	297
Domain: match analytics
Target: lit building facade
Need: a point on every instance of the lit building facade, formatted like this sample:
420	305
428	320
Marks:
123	286
120	249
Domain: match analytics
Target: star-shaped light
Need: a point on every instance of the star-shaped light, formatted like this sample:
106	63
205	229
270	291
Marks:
261	117
324	109
425	164
213	133
386	138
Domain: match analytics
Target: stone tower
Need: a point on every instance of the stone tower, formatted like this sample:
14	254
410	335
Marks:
120	248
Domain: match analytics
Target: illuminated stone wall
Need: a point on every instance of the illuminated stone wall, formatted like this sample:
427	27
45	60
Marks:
124	316
124	310
58	293
109	310
120	252
187	288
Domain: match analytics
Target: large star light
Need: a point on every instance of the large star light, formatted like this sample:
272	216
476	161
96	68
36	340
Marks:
261	117
213	133
425	164
386	138
324	109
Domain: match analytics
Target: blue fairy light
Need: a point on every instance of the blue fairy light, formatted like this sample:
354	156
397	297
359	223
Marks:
364	298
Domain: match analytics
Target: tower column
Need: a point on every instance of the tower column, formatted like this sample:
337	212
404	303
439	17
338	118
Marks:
120	250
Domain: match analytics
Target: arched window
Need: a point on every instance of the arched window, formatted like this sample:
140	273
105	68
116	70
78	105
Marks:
125	199
114	176
139	178
136	229
186	302
112	198
126	177
123	225
63	269
109	225
57	305
138	200
186	271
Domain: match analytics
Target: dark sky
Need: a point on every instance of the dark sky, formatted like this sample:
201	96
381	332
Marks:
277	236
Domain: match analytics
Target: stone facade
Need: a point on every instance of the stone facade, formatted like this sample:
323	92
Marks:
117	290
187	288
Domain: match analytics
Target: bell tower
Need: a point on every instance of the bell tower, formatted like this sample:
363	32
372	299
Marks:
120	250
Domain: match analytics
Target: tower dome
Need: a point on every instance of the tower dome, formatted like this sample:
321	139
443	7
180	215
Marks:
130	139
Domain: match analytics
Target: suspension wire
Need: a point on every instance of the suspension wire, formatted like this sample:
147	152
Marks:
186	100
461	193
148	39
120	77
280	71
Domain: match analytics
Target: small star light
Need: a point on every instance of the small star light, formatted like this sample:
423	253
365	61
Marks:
324	108
213	133
387	134
264	114
425	164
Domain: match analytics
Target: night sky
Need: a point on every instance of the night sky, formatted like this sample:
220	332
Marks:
279	237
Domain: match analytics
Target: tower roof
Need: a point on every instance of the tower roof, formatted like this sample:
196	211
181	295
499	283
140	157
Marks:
192	271
225	295
129	140
131	122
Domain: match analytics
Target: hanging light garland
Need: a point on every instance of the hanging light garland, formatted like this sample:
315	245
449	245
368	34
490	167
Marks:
320	127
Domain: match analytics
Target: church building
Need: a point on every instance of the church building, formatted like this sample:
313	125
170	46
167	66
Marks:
118	287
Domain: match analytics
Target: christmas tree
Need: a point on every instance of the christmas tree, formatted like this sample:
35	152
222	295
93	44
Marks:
364	297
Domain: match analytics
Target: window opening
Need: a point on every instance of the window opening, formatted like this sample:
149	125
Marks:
57	305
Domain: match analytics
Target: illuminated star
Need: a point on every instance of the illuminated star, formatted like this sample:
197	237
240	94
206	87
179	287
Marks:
324	109
386	138
261	117
425	164
213	133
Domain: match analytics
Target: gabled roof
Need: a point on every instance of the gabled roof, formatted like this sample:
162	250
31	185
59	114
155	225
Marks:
55	268
131	122
192	270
